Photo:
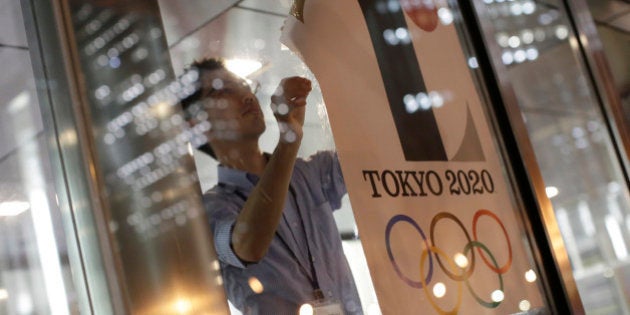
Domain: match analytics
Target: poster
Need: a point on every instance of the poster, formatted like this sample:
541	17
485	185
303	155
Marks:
434	211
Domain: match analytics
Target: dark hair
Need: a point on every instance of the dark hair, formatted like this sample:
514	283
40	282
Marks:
206	64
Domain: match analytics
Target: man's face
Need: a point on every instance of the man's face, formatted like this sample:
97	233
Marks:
233	109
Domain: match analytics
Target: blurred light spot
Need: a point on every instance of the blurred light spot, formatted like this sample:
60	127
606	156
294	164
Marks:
190	149
561	32
520	56
306	309
4	294
390	37
472	63
102	92
216	265
439	290
403	35
503	39
514	41
527	36
19	102
529	7
182	306
532	54
24	304
411	105
13	208
578	132
243	67
436	99
497	296
445	15
616	237
530	276
68	137
290	136
217	84
424	100
114	62
516	9
393	6
488	1
461	260
282	109
545	19
552	191
255	285
507	58
608	273
524	305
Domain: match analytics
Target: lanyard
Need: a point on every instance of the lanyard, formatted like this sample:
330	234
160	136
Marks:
312	276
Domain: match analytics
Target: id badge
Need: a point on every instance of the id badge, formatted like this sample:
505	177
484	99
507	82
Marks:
325	307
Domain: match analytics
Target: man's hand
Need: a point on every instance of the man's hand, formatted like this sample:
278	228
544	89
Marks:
288	105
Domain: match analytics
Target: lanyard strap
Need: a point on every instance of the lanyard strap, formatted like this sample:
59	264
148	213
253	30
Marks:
312	276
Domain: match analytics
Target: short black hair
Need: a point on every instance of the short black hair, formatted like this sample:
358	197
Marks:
206	64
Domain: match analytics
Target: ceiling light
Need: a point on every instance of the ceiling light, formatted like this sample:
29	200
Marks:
243	67
13	208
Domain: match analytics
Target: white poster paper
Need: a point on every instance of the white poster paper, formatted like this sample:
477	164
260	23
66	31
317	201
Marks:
434	211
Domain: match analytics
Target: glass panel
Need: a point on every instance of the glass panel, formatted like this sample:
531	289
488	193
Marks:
35	274
573	147
246	35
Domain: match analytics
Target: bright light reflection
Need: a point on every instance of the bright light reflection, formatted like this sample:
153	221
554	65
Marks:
497	296
255	285
4	294
445	15
562	32
616	237
507	58
243	67
439	290
551	191
374	309
13	208
461	260
182	306
524	305
306	309
530	276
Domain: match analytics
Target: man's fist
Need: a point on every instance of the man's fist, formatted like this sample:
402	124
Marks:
288	105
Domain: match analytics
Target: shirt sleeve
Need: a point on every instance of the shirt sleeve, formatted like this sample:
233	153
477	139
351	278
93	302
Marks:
326	164
222	214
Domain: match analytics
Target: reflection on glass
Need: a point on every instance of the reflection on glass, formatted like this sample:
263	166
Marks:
35	275
572	146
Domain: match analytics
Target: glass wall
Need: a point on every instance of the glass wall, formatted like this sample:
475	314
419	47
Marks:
35	273
536	46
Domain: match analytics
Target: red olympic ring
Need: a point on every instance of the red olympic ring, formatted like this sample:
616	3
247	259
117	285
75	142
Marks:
508	264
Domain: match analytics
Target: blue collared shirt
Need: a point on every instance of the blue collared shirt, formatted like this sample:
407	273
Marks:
285	272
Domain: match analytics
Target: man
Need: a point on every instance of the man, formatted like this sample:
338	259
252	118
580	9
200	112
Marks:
271	214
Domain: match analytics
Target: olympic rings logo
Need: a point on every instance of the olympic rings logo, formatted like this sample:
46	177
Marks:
454	272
